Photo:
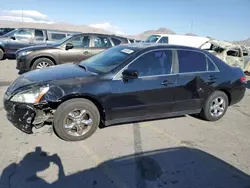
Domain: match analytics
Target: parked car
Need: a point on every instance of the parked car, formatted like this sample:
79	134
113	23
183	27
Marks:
126	83
24	37
3	31
232	54
73	48
184	40
138	41
132	40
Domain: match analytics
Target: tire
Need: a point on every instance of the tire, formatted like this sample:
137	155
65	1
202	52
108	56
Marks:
63	111
206	112
248	68
1	54
42	61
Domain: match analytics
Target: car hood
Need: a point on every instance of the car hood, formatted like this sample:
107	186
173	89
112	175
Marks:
38	47
47	75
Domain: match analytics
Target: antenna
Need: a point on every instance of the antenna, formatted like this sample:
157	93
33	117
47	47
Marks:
22	15
191	29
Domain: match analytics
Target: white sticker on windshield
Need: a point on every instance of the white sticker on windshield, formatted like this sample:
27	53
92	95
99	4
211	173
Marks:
128	51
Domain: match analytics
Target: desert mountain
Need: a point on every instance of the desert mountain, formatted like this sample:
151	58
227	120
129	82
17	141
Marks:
243	42
54	26
85	28
146	34
190	34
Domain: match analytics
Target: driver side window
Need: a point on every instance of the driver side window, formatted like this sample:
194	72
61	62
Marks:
23	34
80	41
154	63
102	42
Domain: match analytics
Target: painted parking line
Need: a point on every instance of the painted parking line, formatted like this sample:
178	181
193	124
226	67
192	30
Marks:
105	168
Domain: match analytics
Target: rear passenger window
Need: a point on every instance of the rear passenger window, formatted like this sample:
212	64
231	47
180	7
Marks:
210	65
245	51
57	36
39	35
190	61
116	41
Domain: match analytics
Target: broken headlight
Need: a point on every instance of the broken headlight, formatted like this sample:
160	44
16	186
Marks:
30	96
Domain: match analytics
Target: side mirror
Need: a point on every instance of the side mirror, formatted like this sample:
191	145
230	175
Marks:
69	46
13	37
130	74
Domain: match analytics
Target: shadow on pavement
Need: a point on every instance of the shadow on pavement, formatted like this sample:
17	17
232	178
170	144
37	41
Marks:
174	167
5	83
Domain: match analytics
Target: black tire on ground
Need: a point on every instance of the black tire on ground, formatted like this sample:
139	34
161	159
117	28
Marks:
205	113
1	54
41	61
63	111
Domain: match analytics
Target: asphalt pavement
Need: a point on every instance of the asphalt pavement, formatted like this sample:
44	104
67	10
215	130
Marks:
175	152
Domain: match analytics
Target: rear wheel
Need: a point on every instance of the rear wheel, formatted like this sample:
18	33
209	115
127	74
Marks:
76	119
215	106
42	63
1	54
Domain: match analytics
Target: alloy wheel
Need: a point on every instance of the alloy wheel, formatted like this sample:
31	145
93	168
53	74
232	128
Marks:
78	122
42	65
217	107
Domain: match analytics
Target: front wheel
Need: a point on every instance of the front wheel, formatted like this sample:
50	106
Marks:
215	107
42	63
76	119
1	54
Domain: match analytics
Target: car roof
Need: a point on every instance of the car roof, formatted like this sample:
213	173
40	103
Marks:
157	46
100	34
175	35
50	30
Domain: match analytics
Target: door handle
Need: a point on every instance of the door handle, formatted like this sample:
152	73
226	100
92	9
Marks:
167	82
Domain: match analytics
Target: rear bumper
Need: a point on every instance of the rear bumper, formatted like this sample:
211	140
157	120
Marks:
237	94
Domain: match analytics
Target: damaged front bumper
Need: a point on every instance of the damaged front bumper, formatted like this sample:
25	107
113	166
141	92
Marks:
24	116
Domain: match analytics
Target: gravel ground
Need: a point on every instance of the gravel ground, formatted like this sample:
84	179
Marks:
175	152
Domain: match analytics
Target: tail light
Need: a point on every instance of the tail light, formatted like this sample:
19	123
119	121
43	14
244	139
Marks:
243	79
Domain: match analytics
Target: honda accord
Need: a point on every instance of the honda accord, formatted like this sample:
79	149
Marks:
126	83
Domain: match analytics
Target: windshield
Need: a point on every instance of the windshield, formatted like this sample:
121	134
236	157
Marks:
10	33
109	59
153	38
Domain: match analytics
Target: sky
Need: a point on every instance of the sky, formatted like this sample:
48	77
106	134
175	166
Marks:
220	19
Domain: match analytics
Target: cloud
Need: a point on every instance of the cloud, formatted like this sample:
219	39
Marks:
25	16
108	27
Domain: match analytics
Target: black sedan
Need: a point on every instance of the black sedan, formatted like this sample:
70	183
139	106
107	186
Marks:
125	83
